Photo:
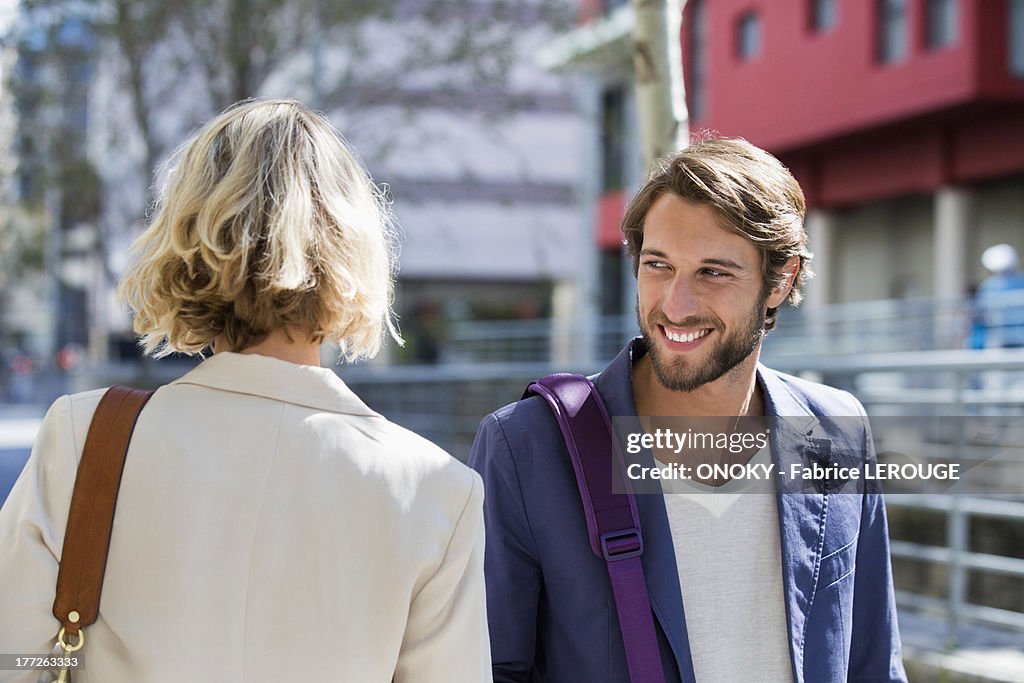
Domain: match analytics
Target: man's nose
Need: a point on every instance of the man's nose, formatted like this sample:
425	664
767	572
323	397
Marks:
681	300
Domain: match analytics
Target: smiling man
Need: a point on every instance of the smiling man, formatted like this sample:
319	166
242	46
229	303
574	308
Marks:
745	581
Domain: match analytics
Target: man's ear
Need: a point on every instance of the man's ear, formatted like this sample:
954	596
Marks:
779	293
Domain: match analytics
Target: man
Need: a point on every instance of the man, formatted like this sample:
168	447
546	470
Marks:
784	587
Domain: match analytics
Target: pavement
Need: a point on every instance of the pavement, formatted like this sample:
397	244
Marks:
18	427
980	654
19	424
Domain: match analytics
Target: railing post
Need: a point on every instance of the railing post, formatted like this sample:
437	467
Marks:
957	529
957	572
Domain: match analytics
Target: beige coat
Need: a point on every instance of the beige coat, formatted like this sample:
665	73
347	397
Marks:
270	527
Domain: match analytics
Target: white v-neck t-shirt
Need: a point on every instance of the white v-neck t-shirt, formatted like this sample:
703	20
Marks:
730	573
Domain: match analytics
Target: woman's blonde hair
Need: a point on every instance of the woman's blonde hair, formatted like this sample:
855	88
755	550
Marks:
266	221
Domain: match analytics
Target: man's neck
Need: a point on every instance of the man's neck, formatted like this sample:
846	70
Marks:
734	393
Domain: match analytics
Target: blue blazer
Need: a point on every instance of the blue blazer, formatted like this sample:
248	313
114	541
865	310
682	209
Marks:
550	608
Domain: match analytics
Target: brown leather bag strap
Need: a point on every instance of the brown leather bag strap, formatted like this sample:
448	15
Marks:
91	518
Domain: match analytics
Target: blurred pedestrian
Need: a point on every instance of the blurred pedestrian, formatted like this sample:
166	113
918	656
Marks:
1000	299
23	373
270	526
428	333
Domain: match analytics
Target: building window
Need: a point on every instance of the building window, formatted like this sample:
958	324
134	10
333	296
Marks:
748	36
824	14
1017	38
940	23
697	65
613	139
892	30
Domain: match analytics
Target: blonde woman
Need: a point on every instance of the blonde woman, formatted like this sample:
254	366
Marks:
270	526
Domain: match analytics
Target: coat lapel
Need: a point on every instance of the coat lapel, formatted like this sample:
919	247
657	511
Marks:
659	560
795	439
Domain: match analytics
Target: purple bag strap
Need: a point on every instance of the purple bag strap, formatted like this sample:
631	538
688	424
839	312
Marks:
612	518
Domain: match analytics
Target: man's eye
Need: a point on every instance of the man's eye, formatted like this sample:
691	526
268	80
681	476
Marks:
711	272
657	265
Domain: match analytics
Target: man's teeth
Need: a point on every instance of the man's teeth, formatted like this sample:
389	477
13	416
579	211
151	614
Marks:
678	337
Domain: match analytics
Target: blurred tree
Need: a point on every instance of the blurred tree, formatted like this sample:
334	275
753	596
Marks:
8	124
107	87
180	62
658	71
353	54
53	187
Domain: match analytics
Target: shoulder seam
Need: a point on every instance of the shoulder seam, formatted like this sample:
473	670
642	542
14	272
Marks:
74	437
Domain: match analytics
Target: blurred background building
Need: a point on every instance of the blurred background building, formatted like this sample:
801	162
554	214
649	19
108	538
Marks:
902	120
478	146
508	135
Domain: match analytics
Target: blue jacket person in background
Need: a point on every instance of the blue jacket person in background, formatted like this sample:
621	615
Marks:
743	587
999	302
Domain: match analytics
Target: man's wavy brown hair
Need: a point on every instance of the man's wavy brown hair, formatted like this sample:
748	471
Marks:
753	193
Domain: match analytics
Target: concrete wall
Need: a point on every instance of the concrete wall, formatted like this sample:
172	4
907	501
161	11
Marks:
998	212
883	250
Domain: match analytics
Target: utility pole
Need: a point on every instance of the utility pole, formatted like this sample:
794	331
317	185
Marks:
658	74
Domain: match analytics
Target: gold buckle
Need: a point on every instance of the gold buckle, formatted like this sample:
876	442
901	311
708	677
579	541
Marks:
68	647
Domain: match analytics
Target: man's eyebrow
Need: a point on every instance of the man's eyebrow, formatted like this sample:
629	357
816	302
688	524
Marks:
712	261
723	263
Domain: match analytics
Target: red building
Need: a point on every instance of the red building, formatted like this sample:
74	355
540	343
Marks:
903	120
887	98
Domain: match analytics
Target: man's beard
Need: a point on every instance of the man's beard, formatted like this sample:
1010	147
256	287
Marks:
684	374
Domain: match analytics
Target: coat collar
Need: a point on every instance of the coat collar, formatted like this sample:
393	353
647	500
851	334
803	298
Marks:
256	375
798	437
801	515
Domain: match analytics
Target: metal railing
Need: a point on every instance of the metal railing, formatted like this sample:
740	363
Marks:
445	403
876	327
953	383
957	557
885	326
529	341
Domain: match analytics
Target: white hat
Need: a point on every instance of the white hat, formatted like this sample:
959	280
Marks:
1000	258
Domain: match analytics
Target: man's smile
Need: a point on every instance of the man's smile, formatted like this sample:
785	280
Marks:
683	338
